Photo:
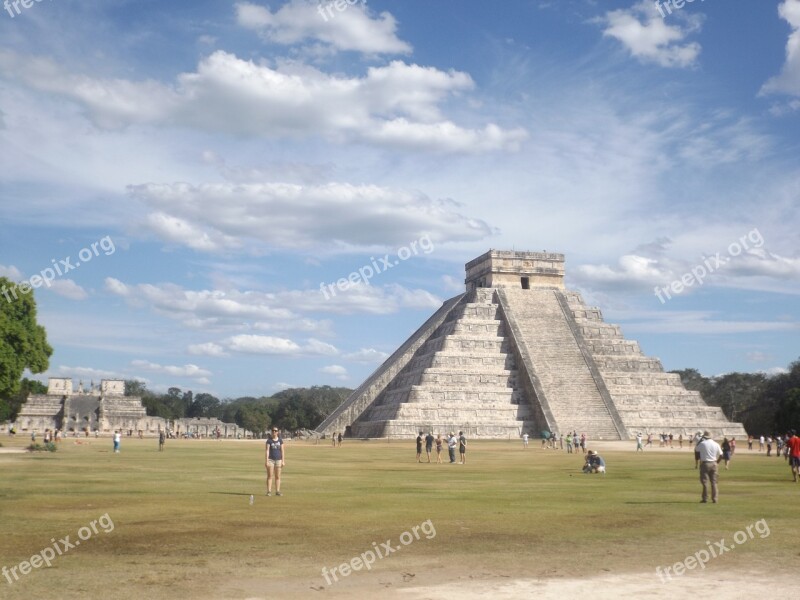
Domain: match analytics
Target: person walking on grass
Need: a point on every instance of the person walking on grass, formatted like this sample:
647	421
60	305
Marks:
794	454
162	437
462	447
438	448
419	447
339	440
697	439
429	445
525	440
275	461
726	452
569	443
710	455
117	440
639	446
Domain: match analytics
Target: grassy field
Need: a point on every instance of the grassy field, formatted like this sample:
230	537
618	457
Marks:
183	525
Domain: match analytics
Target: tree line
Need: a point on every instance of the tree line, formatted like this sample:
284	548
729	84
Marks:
764	404
290	409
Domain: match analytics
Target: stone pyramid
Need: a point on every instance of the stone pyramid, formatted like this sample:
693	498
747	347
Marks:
518	353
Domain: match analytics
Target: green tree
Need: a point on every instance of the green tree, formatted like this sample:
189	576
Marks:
23	342
205	405
254	419
788	415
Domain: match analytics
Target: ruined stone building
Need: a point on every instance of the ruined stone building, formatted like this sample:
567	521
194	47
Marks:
105	409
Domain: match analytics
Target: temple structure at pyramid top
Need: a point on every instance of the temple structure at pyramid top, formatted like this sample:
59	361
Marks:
518	353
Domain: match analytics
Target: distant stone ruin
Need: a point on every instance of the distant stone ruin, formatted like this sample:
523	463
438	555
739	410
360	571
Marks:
105	409
517	353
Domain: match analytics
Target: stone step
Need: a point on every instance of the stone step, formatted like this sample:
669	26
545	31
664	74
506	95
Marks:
416	393
595	331
586	314
672	397
489	363
486	329
455	381
648	380
612	347
627	364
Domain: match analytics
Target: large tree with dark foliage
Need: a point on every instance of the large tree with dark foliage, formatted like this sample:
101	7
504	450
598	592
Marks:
23	344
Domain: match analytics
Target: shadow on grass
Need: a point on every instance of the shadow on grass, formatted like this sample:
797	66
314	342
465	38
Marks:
232	493
664	502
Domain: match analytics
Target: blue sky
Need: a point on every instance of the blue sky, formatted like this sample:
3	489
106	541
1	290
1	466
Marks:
228	158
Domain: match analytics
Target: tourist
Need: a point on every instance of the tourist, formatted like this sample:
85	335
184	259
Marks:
462	447
698	437
726	452
545	437
452	442
749	442
793	446
670	440
339	439
778	445
161	439
46	436
33	436
419	447
569	443
680	440
639	446
760	443
276	460
333	439
769	445
733	446
649	439
438	448
524	440
583	443
710	455
117	440
429	445
594	463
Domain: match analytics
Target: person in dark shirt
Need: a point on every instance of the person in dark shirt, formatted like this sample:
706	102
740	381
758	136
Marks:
275	461
594	463
462	447
429	445
419	447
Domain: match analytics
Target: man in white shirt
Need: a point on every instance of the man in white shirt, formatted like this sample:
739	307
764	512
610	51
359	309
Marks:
710	453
